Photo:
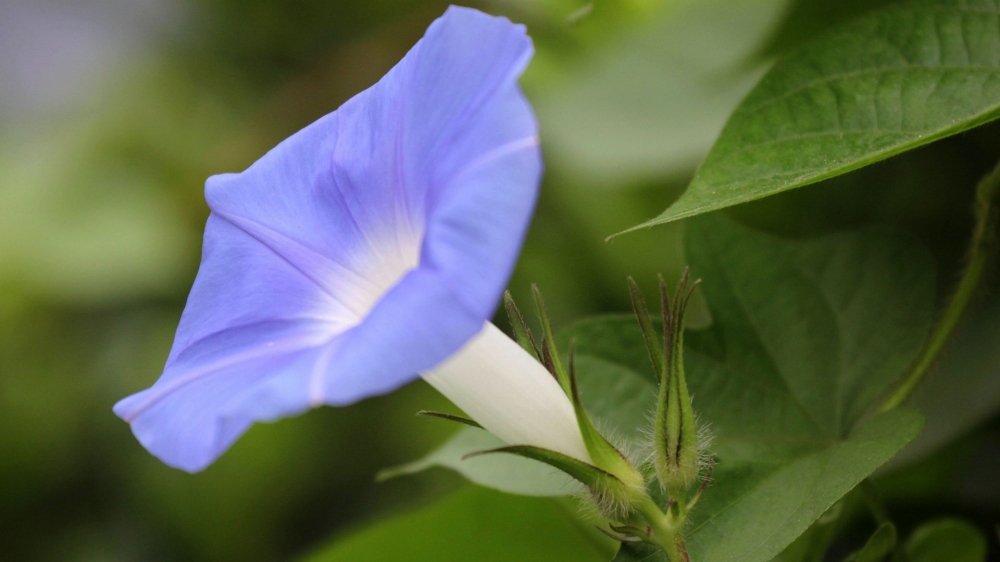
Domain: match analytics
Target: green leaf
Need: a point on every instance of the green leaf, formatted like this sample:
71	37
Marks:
946	540
753	511
822	327
899	78
762	502
473	524
806	19
651	102
807	334
812	545
879	545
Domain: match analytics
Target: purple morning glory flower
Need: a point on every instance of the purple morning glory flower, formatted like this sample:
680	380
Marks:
365	249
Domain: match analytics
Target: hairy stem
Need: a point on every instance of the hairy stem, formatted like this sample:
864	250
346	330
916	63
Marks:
665	531
980	250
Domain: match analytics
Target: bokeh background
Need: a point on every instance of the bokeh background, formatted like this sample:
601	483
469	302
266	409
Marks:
113	113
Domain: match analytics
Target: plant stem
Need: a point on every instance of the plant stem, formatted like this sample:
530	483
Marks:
665	530
983	239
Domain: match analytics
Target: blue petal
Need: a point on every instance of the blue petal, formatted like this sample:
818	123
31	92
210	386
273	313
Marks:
488	160
362	250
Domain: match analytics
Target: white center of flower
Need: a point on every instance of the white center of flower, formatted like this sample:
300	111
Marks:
384	265
490	378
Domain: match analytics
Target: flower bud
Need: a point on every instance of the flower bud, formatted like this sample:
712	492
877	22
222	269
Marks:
675	431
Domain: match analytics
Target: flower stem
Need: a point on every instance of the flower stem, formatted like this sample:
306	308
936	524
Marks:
983	240
665	531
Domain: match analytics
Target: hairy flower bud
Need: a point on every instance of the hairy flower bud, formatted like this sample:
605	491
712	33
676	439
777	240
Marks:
675	432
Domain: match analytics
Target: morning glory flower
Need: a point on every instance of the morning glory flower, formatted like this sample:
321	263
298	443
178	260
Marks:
369	247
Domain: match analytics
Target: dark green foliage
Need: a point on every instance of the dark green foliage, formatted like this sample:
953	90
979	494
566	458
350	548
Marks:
473	524
782	387
894	80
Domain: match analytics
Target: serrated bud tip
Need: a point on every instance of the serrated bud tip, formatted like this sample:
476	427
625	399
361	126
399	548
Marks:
675	433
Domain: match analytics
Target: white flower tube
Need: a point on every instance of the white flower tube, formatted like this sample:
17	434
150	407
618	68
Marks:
510	394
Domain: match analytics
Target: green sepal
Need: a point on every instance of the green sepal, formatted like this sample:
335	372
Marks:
629	530
551	358
449	417
603	484
548	360
617	537
653	343
521	332
704	484
602	452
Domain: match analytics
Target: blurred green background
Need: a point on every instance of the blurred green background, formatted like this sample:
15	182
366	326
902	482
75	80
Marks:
113	113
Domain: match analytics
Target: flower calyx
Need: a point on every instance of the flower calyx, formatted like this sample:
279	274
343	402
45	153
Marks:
623	487
637	510
450	417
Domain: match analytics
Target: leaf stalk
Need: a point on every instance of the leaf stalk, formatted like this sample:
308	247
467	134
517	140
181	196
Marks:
980	250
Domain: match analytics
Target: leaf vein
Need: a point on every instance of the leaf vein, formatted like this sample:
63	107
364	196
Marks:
865	72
